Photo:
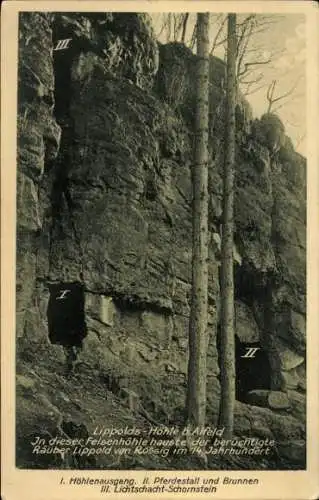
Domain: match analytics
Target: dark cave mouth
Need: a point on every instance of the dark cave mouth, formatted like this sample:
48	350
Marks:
66	48
253	370
62	64
66	314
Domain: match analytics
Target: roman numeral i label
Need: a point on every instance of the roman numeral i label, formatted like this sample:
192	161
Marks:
63	294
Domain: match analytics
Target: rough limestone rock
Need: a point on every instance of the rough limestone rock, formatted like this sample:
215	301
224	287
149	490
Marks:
289	358
270	131
175	84
123	43
258	397
38	142
297	404
107	203
275	400
246	326
278	400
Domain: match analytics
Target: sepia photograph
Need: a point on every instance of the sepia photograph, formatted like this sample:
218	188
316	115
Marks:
161	247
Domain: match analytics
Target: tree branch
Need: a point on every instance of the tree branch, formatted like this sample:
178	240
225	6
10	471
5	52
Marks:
185	20
220	29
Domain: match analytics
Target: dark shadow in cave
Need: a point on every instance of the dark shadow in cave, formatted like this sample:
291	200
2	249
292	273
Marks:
62	63
66	316
63	58
249	285
66	47
253	372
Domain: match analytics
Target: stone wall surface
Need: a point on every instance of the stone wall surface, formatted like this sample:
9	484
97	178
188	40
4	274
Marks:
107	203
38	140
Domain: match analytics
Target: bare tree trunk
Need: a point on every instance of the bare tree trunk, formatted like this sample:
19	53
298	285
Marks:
169	27
194	37
196	395
185	20
227	347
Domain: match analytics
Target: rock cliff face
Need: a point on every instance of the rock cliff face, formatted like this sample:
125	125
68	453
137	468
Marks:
104	203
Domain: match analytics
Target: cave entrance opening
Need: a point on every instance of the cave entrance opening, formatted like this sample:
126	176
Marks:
64	51
252	367
66	318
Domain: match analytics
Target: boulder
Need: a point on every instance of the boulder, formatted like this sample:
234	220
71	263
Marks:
278	400
288	357
258	397
275	400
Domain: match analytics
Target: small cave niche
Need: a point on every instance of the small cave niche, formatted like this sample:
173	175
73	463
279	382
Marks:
150	190
66	314
252	368
62	63
66	47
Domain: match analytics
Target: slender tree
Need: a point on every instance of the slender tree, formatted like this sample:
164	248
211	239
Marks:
174	26
227	343
184	26
252	58
196	395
